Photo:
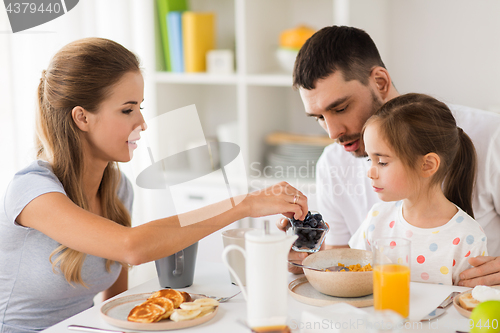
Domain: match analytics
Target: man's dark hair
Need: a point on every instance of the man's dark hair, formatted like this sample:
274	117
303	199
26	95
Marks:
347	49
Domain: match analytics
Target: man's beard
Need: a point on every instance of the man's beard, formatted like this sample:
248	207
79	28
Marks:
360	152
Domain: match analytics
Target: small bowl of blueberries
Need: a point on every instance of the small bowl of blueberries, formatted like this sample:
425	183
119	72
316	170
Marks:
311	232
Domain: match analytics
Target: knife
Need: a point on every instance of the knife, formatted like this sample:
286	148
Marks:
441	307
93	329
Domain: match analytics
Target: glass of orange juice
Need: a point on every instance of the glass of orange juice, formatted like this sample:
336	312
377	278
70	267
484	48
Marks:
391	275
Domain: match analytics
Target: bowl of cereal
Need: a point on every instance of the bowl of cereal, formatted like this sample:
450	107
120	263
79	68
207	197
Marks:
355	283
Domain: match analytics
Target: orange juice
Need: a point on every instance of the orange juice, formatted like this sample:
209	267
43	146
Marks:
391	288
271	329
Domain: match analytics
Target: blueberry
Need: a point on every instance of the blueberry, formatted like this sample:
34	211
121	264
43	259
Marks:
308	238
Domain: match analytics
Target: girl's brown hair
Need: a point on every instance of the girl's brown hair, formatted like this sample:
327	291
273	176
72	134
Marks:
80	74
415	125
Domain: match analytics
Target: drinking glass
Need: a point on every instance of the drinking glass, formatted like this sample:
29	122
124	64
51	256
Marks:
391	275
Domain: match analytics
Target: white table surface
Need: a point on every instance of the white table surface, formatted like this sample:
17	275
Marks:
213	279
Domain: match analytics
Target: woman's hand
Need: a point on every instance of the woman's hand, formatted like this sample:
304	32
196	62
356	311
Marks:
281	198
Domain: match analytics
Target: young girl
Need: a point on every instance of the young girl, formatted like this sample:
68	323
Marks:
423	167
65	230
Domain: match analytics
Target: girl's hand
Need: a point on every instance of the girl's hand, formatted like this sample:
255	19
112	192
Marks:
281	198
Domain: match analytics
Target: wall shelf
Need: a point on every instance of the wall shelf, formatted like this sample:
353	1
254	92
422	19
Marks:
195	78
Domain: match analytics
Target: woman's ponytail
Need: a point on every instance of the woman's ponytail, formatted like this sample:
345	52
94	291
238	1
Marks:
459	183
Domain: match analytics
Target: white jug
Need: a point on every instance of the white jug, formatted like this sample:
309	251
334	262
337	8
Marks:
266	293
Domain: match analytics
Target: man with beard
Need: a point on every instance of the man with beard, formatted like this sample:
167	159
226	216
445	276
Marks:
342	81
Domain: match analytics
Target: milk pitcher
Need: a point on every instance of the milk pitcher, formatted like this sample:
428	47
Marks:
266	291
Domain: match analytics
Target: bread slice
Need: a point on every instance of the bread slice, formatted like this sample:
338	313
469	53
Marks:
467	301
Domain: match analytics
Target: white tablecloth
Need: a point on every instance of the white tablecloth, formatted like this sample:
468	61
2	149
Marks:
213	279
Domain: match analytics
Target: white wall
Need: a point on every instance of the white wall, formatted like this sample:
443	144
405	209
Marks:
447	48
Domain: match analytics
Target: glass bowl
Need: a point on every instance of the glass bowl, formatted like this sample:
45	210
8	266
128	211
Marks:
311	235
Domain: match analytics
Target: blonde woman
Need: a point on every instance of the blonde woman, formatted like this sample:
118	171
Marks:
65	230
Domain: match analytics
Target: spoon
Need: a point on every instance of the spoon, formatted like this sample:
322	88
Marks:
328	269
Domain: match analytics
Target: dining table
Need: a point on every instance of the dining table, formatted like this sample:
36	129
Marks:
212	278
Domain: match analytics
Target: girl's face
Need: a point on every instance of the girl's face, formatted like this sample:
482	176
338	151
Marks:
390	178
116	126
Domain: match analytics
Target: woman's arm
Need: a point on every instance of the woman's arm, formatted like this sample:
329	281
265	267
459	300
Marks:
58	217
120	285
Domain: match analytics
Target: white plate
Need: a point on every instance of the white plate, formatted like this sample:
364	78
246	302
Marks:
302	291
456	303
115	312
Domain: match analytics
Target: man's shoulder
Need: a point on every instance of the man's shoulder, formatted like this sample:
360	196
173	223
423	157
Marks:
462	109
333	149
475	121
336	163
334	154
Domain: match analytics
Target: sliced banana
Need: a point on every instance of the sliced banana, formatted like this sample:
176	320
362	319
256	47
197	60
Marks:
183	314
190	306
206	302
206	310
